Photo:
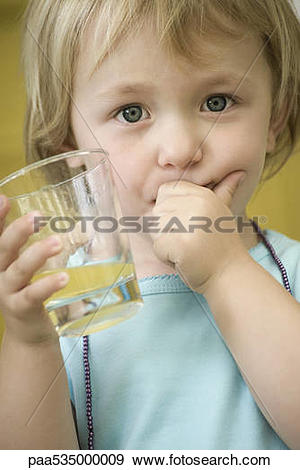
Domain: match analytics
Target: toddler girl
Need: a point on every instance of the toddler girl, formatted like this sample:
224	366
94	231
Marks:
196	102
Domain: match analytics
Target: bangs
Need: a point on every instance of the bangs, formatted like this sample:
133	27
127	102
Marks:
178	25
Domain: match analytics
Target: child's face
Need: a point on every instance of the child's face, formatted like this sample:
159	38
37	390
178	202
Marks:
155	115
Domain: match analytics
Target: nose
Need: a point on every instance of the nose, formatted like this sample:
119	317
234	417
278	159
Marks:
179	143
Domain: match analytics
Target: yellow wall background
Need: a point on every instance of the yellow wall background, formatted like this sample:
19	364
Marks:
278	199
12	96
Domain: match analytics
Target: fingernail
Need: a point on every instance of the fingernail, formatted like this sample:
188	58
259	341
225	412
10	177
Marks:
33	215
32	220
54	241
63	278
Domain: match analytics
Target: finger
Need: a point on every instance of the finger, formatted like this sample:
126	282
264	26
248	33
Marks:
227	187
36	293
167	205
14	237
162	247
4	209
19	273
177	188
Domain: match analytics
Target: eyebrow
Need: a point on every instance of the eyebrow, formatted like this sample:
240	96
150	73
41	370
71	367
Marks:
123	89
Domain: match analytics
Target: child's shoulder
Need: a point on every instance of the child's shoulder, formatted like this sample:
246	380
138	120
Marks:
281	239
283	244
288	251
286	248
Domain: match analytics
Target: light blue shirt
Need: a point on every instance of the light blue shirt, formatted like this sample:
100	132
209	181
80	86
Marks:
165	378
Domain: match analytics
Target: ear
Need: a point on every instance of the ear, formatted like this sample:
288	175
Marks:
66	148
276	126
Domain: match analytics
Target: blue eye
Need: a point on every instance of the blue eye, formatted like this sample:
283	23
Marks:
217	103
131	114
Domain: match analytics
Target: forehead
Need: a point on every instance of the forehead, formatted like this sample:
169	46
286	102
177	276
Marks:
142	55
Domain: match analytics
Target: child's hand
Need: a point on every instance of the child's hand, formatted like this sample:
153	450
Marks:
21	303
198	255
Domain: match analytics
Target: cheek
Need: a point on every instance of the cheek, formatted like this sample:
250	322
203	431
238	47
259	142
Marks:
128	165
249	156
128	169
244	145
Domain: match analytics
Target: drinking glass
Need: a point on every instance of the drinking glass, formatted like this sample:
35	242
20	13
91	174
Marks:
76	200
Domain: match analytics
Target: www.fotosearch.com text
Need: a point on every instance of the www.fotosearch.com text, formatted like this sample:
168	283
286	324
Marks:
145	224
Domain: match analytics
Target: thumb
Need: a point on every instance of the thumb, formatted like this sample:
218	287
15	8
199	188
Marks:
227	187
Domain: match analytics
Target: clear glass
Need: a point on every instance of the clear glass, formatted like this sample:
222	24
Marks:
77	200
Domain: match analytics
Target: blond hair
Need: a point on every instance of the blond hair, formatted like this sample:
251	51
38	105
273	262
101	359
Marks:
52	37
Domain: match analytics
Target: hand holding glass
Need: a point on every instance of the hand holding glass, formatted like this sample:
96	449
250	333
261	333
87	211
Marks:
77	201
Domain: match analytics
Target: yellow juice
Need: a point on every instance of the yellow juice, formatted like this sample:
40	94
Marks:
97	296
